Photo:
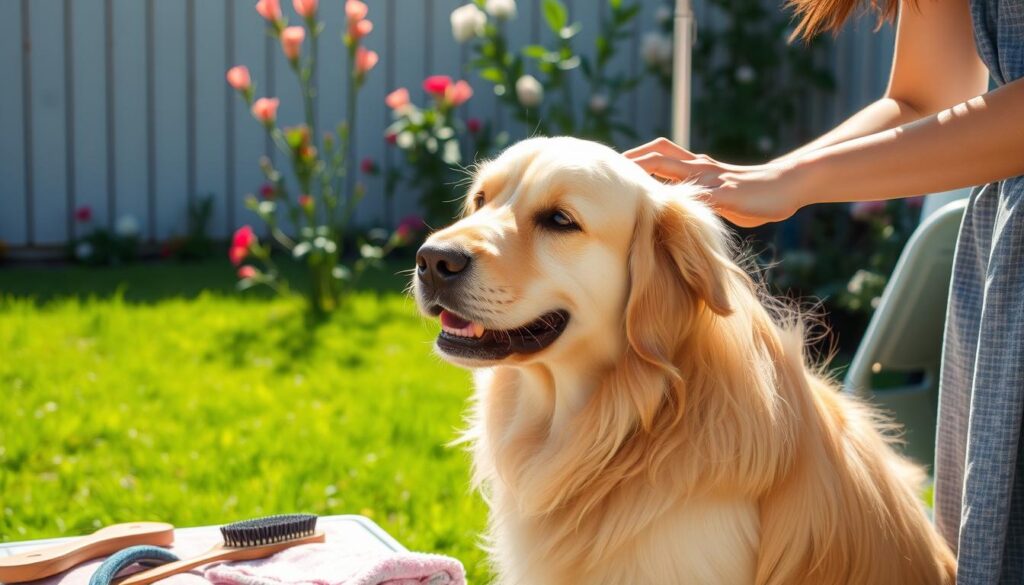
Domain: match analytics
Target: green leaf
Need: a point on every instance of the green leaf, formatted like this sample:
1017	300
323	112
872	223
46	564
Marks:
570	63
556	14
492	74
627	15
535	51
246	283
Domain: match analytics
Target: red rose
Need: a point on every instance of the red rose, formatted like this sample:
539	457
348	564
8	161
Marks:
368	166
437	85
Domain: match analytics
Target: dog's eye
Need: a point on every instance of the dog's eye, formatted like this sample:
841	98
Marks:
478	201
558	220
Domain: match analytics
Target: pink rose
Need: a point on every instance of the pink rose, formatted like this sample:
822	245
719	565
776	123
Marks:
291	41
474	125
391	137
458	93
412	222
408	226
265	109
365	60
355	10
238	78
359	29
397	99
864	210
437	85
306	8
270	10
243	237
368	166
83	213
241	241
247	272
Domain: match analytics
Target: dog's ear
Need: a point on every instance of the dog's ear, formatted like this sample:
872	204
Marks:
678	270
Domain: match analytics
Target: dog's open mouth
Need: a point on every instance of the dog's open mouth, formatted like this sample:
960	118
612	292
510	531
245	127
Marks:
461	337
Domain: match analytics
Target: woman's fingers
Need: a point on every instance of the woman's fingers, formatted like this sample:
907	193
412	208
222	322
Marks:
673	169
661	146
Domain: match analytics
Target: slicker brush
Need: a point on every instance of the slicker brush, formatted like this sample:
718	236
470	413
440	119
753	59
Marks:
246	540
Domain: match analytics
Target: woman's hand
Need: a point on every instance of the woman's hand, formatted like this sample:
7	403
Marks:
747	196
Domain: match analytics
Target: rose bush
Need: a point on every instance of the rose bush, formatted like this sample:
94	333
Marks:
99	245
428	137
318	206
524	78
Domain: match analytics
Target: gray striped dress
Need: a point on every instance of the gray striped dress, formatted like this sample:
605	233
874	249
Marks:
979	467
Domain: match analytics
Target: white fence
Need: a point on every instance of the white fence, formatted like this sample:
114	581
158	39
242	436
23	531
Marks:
121	105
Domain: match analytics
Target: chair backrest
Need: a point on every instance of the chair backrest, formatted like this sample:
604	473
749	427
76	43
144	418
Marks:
897	363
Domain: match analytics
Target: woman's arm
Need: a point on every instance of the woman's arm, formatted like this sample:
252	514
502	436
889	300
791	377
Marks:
973	143
934	66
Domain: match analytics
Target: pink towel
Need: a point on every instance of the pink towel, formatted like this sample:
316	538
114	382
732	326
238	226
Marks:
332	564
349	557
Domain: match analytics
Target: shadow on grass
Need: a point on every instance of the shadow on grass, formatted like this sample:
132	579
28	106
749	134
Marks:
293	333
152	282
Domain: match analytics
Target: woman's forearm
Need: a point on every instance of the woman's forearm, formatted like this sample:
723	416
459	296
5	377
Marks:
880	115
973	143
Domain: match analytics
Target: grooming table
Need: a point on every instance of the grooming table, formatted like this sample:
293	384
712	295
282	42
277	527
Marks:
357	532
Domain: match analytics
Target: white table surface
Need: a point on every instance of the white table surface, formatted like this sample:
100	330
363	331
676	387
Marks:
360	531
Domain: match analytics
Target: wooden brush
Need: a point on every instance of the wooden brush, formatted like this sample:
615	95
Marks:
43	562
245	540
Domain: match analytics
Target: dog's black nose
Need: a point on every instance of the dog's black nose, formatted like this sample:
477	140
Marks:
439	265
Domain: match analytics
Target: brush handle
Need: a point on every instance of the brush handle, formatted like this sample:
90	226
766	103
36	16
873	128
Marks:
43	562
217	553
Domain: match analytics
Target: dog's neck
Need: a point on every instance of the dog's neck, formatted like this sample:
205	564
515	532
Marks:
557	393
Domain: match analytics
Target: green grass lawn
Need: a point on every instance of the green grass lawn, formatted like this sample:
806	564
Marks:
157	392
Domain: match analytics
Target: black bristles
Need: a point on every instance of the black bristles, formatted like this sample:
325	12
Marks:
268	530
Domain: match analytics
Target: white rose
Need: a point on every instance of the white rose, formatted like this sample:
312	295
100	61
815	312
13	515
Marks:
598	103
656	49
529	91
745	74
501	9
127	226
83	251
467	22
405	140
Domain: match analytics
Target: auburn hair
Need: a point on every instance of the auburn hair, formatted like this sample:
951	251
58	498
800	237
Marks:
817	16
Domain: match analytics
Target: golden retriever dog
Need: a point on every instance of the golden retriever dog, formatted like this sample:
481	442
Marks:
640	415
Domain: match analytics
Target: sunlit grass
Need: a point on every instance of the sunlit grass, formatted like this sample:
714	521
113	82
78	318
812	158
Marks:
156	392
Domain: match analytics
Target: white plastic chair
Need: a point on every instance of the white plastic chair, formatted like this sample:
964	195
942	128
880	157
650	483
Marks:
897	363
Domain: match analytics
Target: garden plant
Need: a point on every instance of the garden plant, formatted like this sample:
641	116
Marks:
319	204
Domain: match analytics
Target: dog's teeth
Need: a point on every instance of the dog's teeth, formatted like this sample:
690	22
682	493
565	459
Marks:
471	330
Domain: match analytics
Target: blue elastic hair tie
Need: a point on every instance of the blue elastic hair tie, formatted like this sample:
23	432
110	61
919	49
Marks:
115	563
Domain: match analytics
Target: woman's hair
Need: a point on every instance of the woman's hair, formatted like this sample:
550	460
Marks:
816	16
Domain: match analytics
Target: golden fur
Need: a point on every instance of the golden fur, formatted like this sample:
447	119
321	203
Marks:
674	432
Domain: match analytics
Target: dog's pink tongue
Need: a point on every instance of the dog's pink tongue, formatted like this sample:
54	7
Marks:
449	319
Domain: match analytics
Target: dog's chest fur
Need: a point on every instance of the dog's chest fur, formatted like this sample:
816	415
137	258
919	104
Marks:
635	534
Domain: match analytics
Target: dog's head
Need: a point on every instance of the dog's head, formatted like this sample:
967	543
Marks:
567	250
